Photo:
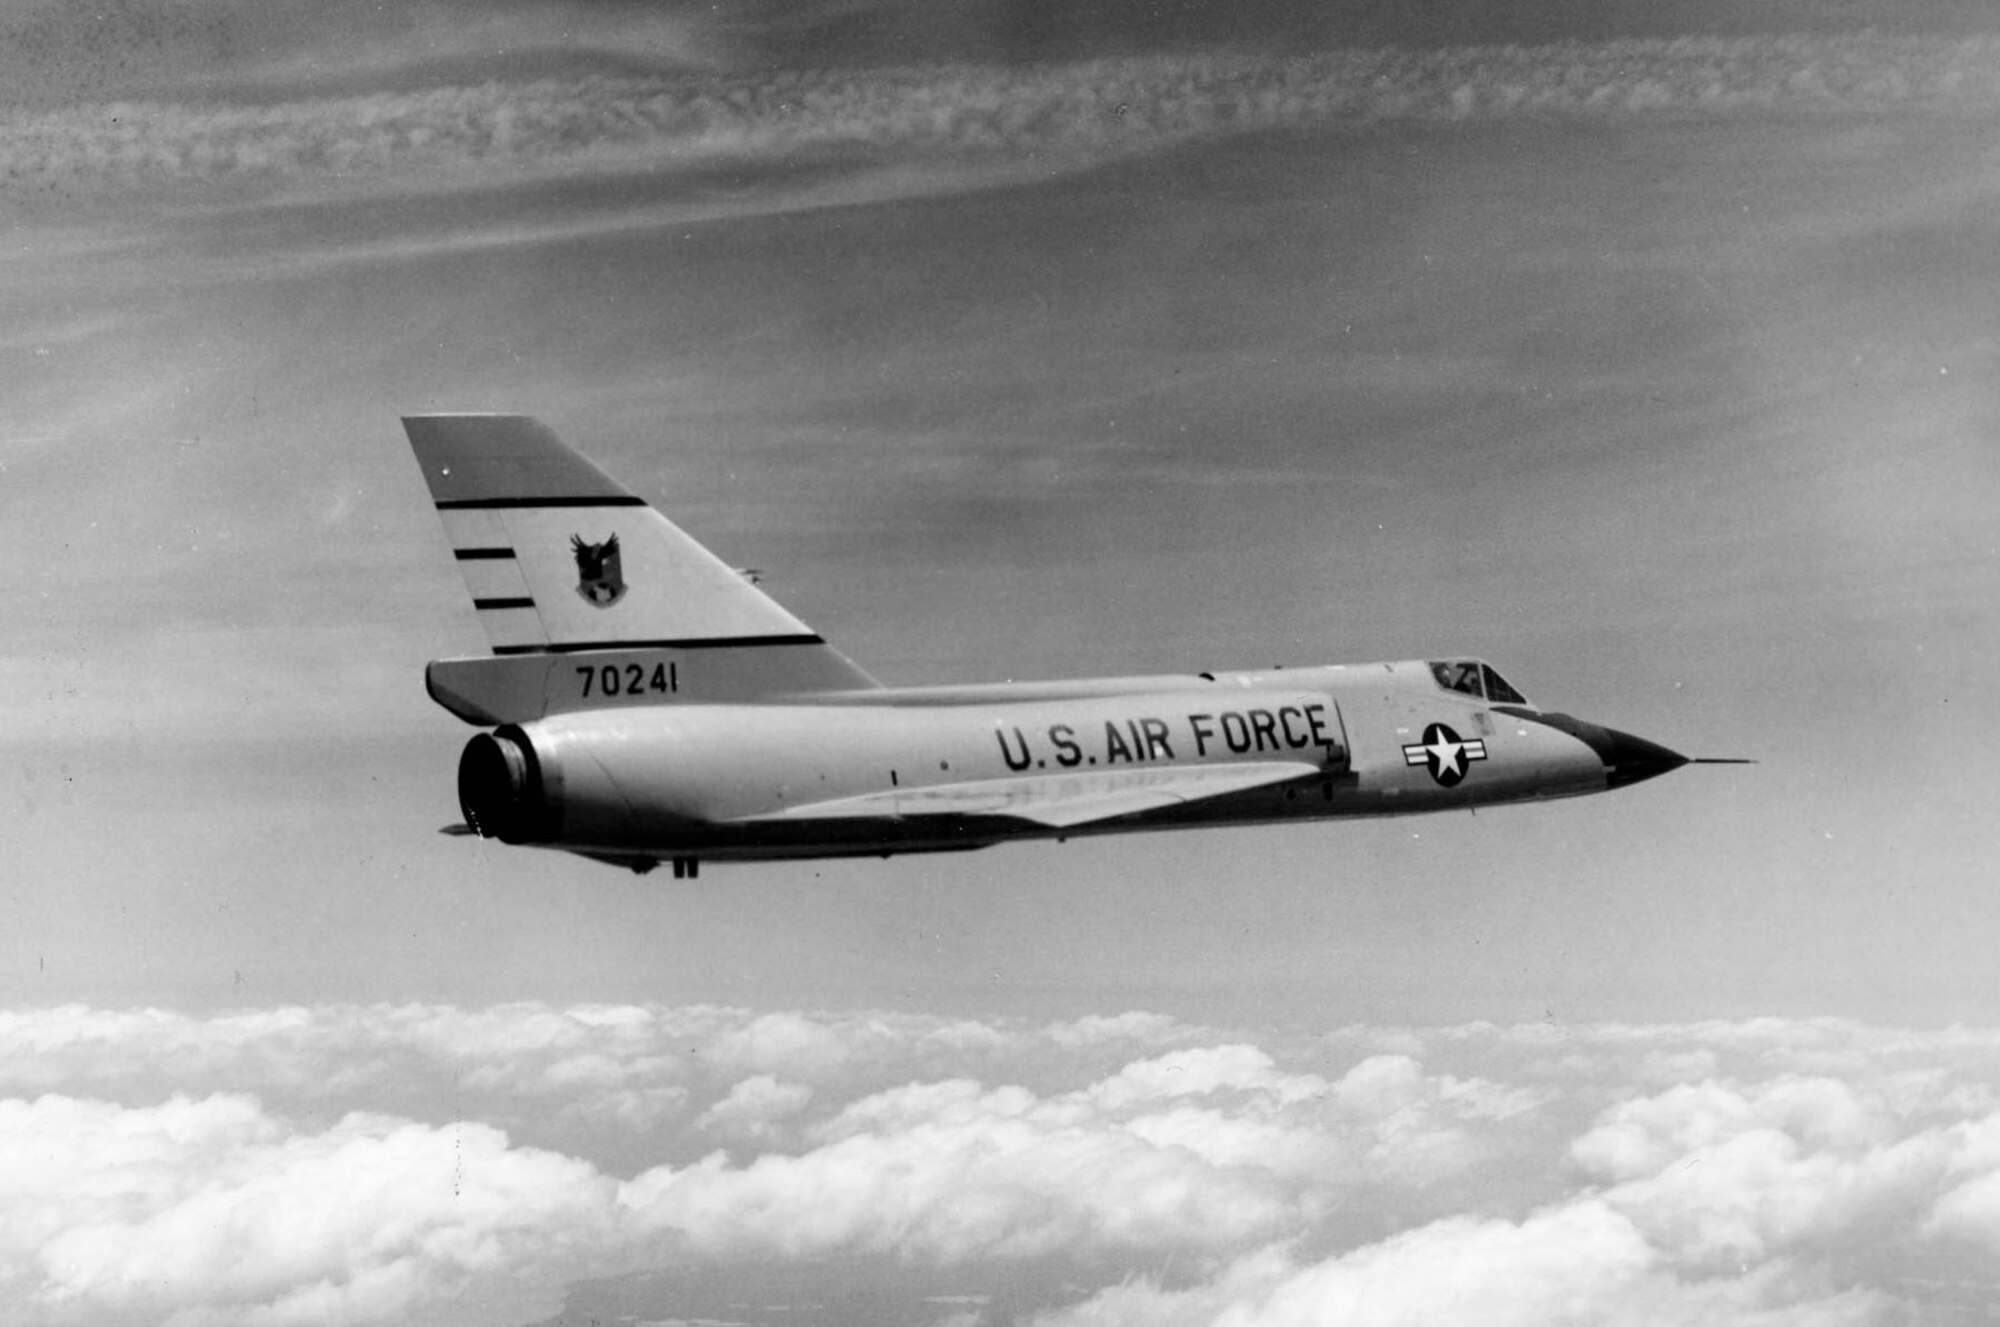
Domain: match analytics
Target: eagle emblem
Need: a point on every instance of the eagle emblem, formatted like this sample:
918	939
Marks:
599	578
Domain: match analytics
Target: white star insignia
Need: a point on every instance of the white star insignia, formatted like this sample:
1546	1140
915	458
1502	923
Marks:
1447	754
1449	757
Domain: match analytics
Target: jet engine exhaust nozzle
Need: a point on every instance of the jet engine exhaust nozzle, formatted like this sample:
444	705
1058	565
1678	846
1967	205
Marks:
500	787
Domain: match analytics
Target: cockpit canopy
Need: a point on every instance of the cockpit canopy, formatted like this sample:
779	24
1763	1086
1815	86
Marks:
1474	678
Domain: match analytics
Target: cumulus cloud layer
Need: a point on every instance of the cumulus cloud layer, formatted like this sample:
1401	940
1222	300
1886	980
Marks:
213	1210
381	1164
1056	114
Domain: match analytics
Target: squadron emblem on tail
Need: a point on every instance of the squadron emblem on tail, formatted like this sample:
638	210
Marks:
599	578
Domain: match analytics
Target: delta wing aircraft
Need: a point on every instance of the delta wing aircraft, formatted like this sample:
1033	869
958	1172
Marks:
647	703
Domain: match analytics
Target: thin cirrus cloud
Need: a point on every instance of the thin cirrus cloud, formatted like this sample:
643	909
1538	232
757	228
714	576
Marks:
506	130
424	1163
54	54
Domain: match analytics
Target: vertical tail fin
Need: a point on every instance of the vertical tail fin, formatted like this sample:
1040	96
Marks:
560	558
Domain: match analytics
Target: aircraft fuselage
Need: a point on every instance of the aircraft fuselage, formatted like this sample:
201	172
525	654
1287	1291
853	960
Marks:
904	770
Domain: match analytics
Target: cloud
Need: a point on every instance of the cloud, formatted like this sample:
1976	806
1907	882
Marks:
506	131
1720	1175
51	52
423	1163
1580	1263
755	1108
215	1210
994	1178
1199	1071
583	1075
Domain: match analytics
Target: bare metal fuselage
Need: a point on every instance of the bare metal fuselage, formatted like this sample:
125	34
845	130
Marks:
913	770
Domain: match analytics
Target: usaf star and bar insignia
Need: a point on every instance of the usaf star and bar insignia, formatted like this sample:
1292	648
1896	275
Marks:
1448	756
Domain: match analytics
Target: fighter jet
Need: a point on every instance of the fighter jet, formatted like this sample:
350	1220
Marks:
645	702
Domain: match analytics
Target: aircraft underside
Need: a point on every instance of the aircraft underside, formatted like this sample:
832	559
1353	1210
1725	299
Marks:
1331	799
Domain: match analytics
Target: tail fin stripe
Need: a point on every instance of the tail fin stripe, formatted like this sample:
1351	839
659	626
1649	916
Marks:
481	554
490	504
696	643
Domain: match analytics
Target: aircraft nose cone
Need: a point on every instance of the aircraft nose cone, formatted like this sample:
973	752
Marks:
1628	759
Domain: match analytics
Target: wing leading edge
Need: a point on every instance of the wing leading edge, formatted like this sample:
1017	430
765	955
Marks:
1058	801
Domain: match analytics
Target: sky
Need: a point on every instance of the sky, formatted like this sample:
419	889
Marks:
1646	351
